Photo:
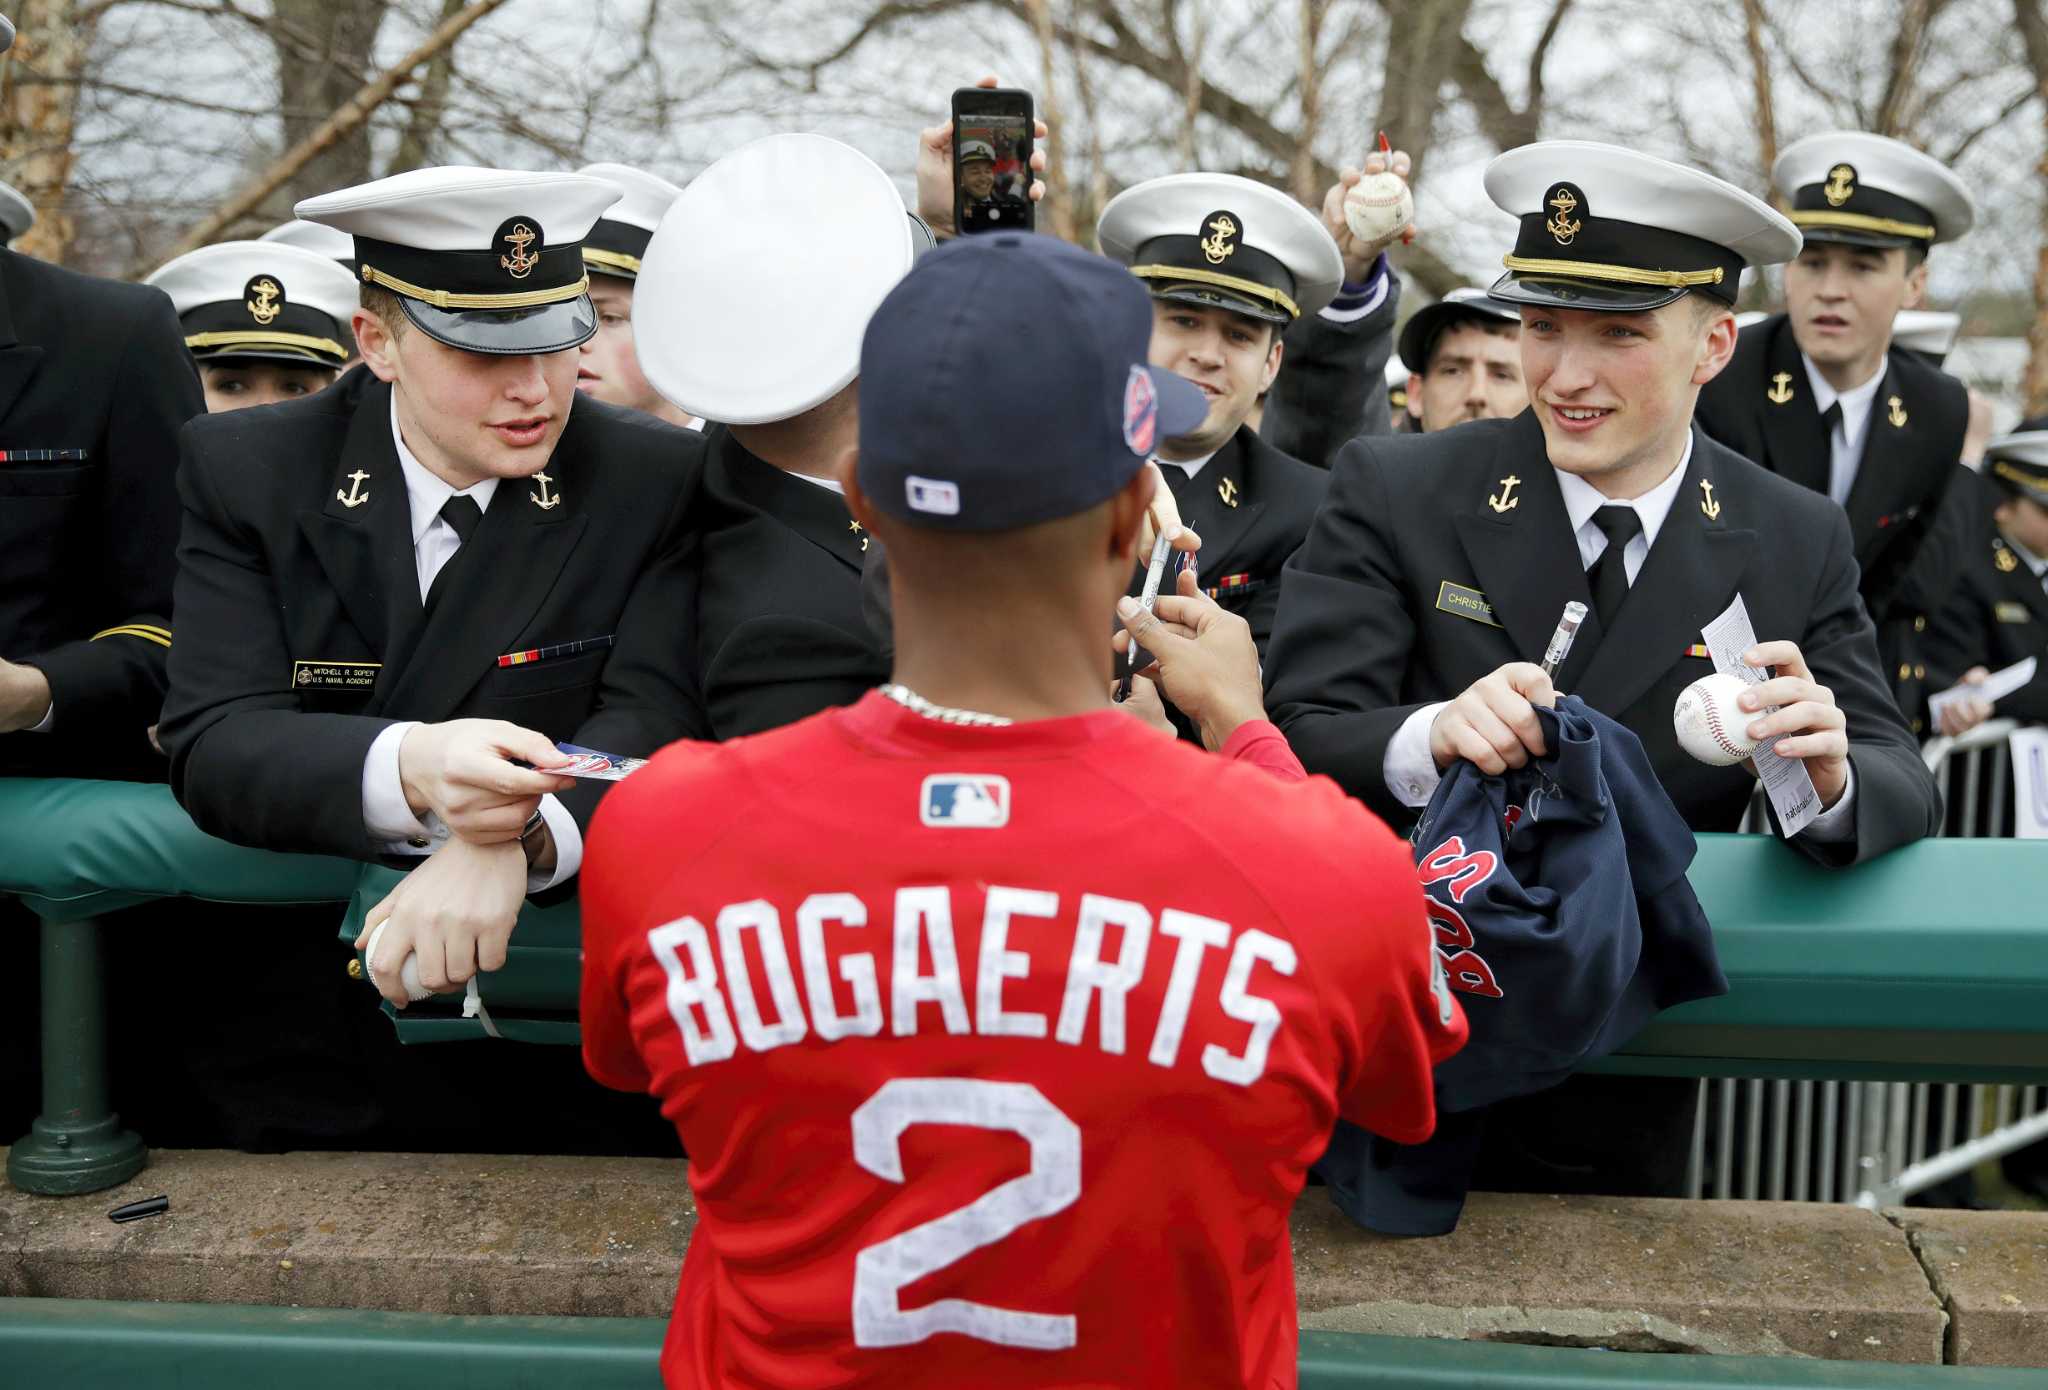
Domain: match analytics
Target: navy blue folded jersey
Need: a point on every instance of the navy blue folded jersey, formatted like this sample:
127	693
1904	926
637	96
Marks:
1562	913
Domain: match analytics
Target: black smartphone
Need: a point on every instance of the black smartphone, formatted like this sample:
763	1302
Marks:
992	146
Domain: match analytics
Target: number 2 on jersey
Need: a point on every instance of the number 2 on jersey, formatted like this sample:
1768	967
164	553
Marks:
1052	1185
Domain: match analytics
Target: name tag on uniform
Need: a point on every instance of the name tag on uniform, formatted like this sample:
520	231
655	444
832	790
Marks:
355	677
1465	603
2010	612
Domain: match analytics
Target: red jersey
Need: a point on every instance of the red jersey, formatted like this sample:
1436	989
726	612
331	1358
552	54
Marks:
1000	1054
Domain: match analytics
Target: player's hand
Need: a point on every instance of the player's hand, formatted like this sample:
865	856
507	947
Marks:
1204	658
463	772
1493	724
1961	716
1163	513
1811	727
455	911
1359	255
935	170
24	696
1145	705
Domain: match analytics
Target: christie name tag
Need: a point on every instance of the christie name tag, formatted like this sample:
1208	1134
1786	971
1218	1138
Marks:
356	677
1465	603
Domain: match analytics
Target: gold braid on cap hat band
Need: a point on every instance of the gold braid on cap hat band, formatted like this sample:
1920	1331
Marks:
1210	277
449	299
1862	222
2013	475
1621	274
617	260
259	339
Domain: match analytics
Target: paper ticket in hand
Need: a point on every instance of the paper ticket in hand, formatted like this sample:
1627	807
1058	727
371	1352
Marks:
1786	780
599	767
1996	687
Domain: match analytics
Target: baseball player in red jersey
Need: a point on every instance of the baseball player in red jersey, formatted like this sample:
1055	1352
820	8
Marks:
996	1063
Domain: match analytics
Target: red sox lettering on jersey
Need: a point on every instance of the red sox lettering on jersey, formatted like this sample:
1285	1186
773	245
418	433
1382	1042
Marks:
718	1006
1451	872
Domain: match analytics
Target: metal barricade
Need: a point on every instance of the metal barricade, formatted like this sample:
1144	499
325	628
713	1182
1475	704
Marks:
1873	1144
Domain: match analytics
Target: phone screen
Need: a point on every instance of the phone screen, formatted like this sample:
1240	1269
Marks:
992	169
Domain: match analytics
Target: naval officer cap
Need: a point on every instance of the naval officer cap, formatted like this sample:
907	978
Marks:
1223	242
261	300
1929	332
321	241
1865	190
1608	228
618	243
2018	462
1427	325
486	260
755	291
17	214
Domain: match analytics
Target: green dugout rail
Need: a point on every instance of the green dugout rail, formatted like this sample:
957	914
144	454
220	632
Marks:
85	1345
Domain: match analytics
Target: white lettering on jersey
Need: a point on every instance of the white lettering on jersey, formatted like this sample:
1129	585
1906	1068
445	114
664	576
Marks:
766	923
925	914
999	963
1262	1014
1087	972
1196	935
695	988
857	969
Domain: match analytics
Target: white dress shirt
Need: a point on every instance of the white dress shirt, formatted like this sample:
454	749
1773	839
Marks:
829	484
386	816
1188	466
1409	767
1846	441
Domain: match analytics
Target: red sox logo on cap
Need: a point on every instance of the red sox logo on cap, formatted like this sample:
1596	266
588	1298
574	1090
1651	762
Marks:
1141	412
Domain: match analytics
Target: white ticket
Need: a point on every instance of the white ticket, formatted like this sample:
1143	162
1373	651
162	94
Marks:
1785	780
1996	687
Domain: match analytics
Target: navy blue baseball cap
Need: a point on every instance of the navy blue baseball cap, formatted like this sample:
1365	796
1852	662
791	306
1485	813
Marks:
1004	382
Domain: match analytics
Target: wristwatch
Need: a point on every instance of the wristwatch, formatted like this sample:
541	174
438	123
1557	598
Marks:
529	835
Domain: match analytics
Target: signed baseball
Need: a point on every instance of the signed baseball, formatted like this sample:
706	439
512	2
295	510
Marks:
1378	207
1710	725
408	974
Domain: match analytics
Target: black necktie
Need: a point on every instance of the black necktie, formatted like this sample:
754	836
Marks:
463	516
1609	575
1831	420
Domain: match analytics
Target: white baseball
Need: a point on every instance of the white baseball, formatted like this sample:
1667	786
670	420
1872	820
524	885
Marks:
408	973
1378	206
1710	725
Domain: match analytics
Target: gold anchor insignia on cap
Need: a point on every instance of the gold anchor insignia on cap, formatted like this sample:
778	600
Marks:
262	304
854	526
355	496
1563	227
1895	411
1227	490
521	262
1781	389
1505	500
1709	508
1221	243
1841	185
541	498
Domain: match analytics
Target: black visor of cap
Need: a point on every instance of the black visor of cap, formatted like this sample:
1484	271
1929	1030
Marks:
1426	327
542	329
1596	266
296	333
1234	283
2021	479
616	248
1812	206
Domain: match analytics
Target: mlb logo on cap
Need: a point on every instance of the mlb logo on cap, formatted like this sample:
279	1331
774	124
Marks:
965	800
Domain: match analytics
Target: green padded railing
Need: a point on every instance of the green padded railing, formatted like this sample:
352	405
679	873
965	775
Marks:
45	1341
74	851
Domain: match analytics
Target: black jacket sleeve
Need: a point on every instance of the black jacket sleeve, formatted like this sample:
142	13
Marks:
1331	387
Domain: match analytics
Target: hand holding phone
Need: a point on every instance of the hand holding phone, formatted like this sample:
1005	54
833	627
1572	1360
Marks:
993	140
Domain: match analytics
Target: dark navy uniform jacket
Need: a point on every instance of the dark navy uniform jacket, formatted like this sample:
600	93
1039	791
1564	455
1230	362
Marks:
1562	914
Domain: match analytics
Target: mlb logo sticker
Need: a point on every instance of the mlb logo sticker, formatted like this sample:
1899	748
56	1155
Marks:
964	801
1141	413
932	495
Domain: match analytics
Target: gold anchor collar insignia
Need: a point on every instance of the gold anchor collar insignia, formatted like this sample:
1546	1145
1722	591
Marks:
854	526
2004	559
263	297
355	496
1895	411
1227	490
1781	388
524	241
1709	508
1841	185
1224	229
1566	200
542	499
1505	500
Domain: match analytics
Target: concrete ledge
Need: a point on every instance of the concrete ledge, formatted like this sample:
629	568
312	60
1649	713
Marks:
605	1237
1990	1269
